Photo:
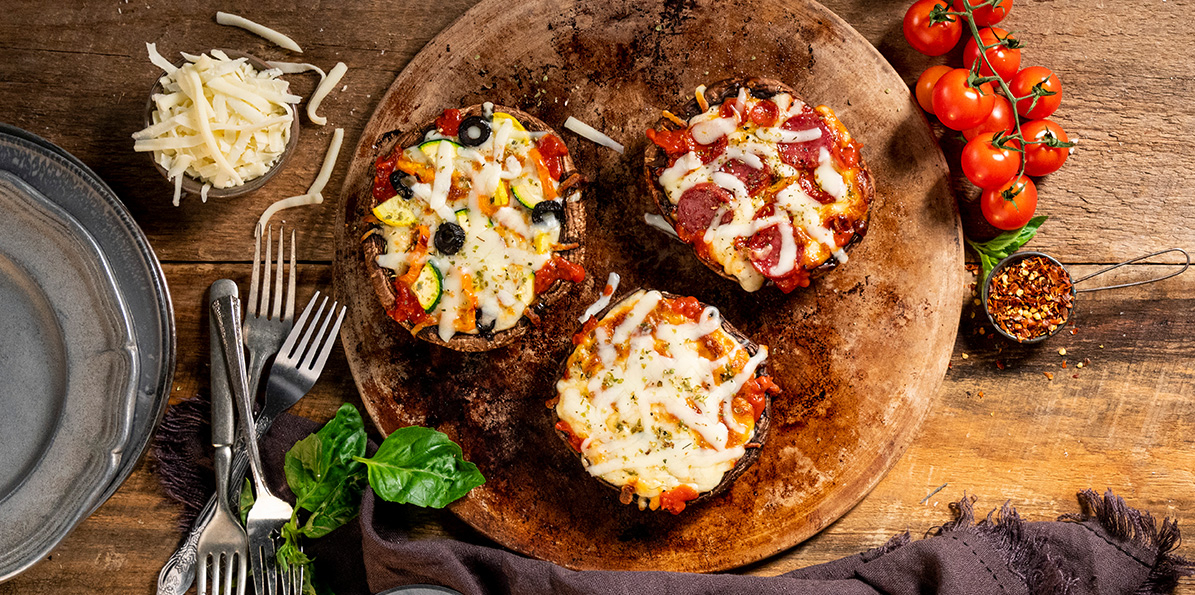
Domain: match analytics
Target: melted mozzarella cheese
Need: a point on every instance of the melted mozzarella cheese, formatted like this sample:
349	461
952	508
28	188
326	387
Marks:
494	270
655	413
801	220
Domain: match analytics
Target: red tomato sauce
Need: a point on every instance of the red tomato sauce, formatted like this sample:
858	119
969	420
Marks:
557	268
674	500
573	439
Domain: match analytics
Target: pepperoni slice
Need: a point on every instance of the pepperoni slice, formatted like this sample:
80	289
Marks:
805	155
809	184
696	208
764	249
709	152
765	113
754	179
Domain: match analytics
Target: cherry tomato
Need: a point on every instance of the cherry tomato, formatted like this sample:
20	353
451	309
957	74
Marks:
1040	81
929	37
990	166
765	113
1005	57
1000	120
959	105
987	15
925	86
1041	158
1010	206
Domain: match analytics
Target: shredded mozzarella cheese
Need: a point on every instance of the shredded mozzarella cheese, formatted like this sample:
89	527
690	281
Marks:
218	121
589	132
314	194
263	31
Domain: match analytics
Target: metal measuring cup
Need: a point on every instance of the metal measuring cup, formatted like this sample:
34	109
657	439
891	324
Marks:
1019	256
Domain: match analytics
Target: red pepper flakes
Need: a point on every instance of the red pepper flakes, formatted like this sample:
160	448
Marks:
1048	375
1030	298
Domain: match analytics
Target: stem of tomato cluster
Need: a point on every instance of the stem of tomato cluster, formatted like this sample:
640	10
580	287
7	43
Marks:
969	11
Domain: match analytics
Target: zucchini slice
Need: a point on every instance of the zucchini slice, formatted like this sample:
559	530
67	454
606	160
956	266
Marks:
395	212
431	147
499	116
462	218
526	291
528	192
428	287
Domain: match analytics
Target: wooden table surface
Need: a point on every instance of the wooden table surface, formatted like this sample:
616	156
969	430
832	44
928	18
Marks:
999	429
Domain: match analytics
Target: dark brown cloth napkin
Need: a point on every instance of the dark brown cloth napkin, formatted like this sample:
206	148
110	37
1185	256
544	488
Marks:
1106	548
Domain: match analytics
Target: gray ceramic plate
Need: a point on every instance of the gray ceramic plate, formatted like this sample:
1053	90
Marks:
70	185
68	371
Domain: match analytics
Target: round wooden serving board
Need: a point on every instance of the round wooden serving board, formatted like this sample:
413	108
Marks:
860	354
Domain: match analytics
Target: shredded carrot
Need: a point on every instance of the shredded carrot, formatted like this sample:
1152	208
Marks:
425	173
417	256
700	95
545	177
674	118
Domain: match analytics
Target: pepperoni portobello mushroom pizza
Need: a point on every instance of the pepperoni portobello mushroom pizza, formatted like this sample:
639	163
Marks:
477	223
663	400
766	188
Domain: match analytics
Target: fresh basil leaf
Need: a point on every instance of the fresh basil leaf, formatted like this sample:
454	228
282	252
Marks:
317	465
339	507
421	466
245	502
1002	246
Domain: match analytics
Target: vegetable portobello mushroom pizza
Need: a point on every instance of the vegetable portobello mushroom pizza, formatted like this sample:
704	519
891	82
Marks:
663	400
764	187
477	222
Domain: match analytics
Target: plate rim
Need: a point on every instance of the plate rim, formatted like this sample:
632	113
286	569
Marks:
161	318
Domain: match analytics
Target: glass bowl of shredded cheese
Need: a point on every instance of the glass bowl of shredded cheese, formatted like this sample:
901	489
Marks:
219	124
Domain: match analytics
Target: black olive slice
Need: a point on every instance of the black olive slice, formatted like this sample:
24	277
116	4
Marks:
449	238
485	329
402	189
554	207
473	131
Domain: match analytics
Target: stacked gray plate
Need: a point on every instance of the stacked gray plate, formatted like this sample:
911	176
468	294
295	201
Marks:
86	345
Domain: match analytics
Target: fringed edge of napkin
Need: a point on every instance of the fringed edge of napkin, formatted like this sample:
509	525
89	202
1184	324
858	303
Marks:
180	466
1128	525
1026	556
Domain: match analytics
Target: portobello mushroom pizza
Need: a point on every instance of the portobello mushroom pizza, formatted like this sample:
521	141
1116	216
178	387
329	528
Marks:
764	187
476	227
663	400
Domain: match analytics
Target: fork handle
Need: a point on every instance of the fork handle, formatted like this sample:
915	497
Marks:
178	573
226	311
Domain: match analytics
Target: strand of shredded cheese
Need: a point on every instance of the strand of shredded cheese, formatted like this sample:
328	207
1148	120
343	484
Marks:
269	34
314	194
322	90
591	133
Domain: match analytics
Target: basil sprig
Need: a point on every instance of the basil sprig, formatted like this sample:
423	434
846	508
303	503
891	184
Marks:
421	466
327	472
1003	245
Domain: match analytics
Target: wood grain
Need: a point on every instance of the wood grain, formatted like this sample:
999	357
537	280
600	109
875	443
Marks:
76	73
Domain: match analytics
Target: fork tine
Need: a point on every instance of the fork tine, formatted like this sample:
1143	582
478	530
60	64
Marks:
284	353
201	577
290	290
278	280
229	574
264	308
216	574
242	574
305	342
254	279
329	341
269	563
320	337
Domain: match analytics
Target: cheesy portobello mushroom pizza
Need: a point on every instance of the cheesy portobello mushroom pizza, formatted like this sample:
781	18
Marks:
765	188
664	400
477	222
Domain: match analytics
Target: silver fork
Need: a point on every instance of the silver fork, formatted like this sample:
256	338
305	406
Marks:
295	370
264	330
263	335
222	539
